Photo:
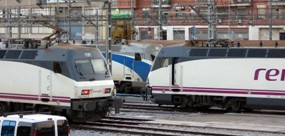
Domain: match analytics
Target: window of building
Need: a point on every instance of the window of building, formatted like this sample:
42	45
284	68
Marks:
278	13
282	36
242	13
179	34
261	13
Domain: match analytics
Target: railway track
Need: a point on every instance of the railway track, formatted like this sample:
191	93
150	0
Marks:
138	126
132	126
151	107
148	107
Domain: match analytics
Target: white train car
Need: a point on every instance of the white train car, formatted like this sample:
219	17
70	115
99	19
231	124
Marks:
66	79
230	78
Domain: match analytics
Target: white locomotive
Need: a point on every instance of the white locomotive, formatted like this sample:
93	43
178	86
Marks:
67	79
231	78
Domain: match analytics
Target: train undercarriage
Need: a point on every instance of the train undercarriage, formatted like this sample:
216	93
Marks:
130	87
232	104
80	111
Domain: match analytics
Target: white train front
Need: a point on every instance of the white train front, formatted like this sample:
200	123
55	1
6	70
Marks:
67	79
231	78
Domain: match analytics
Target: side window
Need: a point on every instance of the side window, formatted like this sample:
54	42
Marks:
8	128
62	127
57	67
138	56
164	62
24	129
152	57
45	128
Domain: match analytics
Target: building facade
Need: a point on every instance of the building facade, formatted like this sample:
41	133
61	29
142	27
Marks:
145	19
234	19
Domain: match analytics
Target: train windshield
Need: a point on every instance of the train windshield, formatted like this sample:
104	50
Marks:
90	67
84	67
99	66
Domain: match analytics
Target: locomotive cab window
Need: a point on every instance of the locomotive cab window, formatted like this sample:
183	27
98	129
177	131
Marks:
99	66
57	67
84	67
164	62
138	56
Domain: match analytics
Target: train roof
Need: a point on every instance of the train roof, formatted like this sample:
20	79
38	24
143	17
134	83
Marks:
161	42
58	53
220	52
33	117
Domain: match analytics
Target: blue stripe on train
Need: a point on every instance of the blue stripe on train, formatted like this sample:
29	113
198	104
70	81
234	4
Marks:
140	67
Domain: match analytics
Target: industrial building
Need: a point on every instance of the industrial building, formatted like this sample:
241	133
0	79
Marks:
144	19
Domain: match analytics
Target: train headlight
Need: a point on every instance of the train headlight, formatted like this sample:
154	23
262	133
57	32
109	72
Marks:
85	92
107	90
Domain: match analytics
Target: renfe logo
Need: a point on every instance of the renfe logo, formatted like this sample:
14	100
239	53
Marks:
270	74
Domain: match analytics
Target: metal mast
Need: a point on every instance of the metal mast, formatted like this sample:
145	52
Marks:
19	23
97	28
9	24
212	20
270	19
108	35
159	33
69	19
133	19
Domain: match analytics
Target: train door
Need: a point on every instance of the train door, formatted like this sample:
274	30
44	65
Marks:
45	87
176	74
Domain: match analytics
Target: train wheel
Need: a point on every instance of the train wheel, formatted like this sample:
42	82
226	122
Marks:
126	88
3	107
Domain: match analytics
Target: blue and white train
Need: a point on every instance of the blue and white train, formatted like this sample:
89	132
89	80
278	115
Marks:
131	65
230	78
66	79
